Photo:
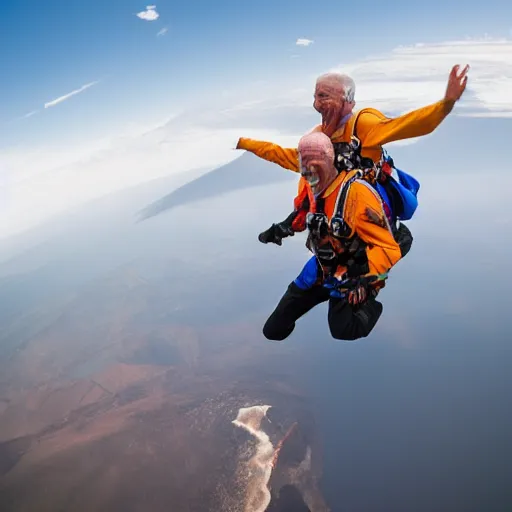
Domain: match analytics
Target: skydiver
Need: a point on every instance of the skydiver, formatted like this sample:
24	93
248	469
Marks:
334	101
353	246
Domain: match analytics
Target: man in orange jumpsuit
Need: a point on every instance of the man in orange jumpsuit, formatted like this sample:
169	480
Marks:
352	243
334	101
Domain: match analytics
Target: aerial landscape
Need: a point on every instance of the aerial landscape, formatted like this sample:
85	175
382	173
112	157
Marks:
135	372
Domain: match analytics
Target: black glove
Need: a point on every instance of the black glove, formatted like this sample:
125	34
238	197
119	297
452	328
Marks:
275	233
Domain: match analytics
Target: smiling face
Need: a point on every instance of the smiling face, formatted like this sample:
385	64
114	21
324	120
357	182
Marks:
316	157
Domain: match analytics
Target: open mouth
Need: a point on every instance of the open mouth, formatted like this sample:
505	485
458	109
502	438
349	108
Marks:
311	177
309	173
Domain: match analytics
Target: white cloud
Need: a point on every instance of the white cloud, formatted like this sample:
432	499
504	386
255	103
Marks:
416	75
149	14
69	95
413	76
39	184
42	183
304	42
162	32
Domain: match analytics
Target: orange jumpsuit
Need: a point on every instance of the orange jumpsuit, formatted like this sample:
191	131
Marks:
373	129
364	214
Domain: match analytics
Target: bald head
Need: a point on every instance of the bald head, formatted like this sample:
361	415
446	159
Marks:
316	156
316	145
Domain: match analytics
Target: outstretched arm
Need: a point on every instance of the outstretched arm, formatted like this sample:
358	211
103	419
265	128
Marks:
285	157
375	129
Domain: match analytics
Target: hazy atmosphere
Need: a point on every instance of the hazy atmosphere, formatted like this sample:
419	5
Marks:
134	374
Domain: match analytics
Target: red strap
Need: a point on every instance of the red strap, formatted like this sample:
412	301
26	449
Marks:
387	169
299	223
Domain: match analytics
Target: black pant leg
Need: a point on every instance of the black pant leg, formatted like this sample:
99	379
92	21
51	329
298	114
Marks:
293	304
350	323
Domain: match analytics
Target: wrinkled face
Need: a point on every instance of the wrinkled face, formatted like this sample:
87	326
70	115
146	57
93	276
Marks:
316	158
329	103
328	96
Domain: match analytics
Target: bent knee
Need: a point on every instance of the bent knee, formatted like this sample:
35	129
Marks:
347	334
348	325
274	332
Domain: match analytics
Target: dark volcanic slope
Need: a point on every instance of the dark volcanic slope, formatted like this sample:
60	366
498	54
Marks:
244	172
289	500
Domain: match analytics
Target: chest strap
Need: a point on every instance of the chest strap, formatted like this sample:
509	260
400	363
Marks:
327	234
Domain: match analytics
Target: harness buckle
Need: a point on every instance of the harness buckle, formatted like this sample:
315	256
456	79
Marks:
339	227
317	224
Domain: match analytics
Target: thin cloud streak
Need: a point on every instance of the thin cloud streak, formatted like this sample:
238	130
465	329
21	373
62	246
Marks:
30	114
69	95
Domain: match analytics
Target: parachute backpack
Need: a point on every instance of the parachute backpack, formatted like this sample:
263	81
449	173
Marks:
400	193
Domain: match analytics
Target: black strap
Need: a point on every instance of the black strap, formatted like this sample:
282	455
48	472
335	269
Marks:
366	162
343	196
320	205
356	260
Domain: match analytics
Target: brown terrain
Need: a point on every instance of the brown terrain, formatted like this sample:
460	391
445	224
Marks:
111	405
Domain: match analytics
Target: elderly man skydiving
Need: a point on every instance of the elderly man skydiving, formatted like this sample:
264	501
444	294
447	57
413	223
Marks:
357	140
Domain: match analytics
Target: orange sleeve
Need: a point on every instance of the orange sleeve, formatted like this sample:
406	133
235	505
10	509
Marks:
366	214
374	129
285	157
302	193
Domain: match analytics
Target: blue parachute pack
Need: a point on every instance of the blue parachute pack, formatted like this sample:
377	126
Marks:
401	194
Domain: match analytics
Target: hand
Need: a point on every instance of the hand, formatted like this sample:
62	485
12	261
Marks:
358	294
360	289
456	83
275	234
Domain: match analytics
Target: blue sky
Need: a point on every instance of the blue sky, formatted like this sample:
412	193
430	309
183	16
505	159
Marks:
56	47
213	56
